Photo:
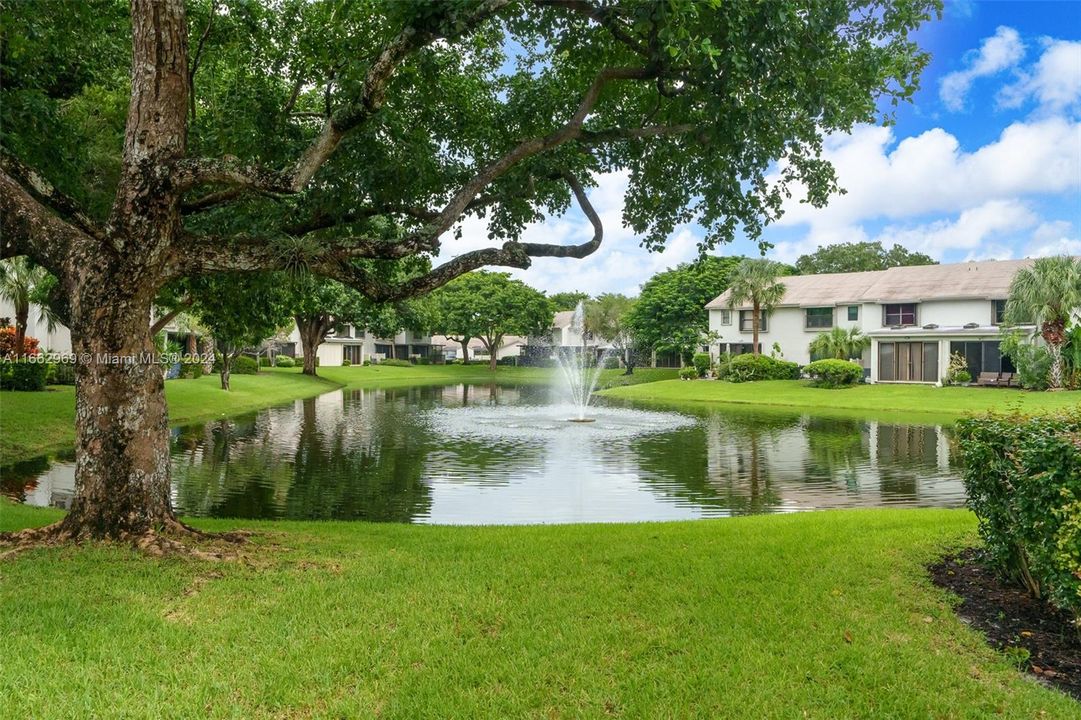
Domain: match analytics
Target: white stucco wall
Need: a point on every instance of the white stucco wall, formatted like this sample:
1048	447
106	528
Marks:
58	341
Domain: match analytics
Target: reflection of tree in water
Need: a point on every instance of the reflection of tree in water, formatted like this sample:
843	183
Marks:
837	448
720	463
17	480
378	478
228	468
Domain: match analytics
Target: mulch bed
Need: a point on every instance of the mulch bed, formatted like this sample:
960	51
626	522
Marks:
1011	619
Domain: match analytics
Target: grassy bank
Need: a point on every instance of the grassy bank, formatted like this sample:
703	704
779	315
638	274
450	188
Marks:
36	423
946	401
753	617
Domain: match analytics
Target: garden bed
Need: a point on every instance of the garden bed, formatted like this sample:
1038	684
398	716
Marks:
1042	639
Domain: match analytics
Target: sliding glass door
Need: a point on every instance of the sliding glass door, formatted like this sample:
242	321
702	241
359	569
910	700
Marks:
908	362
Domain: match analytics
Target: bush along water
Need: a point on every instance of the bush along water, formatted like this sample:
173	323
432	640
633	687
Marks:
1022	475
834	373
701	362
748	368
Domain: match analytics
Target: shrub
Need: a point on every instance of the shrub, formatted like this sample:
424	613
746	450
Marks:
392	362
63	373
834	373
748	368
245	365
24	375
688	373
7	344
701	362
284	361
1033	362
367	363
423	361
957	371
193	370
611	363
1023	479
346	362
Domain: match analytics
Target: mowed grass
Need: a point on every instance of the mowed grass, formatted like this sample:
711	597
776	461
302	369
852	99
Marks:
817	615
944	401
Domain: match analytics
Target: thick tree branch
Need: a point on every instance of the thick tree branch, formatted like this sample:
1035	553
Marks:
29	227
198	56
35	185
512	254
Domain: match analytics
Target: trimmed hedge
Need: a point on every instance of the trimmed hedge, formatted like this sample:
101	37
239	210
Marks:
23	375
748	368
1023	479
701	362
688	372
62	373
392	362
833	373
284	361
243	365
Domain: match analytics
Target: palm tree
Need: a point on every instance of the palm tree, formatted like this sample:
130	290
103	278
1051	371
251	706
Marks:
840	344
18	281
754	281
1047	295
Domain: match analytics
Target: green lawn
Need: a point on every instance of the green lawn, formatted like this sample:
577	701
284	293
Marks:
817	615
946	401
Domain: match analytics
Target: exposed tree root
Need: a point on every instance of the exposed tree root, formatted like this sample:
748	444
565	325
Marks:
171	538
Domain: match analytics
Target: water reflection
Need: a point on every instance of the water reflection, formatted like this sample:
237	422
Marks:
390	455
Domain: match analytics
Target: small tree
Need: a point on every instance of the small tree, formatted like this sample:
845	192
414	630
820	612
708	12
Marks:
858	257
609	317
240	310
1047	295
20	283
489	306
755	281
840	344
670	314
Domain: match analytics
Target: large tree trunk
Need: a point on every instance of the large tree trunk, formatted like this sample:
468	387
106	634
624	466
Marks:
121	422
628	361
464	342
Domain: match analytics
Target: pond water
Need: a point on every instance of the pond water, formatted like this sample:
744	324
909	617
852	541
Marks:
491	454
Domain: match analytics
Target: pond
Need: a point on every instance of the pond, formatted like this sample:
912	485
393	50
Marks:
497	454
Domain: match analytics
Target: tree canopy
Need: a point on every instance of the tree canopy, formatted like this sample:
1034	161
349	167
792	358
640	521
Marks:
858	257
489	306
568	300
670	314
608	316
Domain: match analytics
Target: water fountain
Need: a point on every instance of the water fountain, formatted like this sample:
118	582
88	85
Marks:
578	371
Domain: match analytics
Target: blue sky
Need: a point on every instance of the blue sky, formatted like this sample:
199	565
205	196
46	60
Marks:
986	163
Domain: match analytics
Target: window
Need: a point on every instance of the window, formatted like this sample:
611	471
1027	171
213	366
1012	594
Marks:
899	314
819	318
341	330
853	313
353	353
908	361
745	318
998	312
726	317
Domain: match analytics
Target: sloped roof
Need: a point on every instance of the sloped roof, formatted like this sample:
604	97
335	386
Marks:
829	289
563	319
985	280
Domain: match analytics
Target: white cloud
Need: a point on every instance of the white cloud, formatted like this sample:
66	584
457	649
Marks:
999	52
930	173
1054	238
1054	82
975	230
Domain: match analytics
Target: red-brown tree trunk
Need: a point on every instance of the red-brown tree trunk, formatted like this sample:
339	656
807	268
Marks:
22	313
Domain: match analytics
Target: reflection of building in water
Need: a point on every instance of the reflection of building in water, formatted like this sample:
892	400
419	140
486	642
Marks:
809	462
55	487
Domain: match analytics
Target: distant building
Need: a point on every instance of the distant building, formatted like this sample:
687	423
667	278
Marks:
915	316
357	345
